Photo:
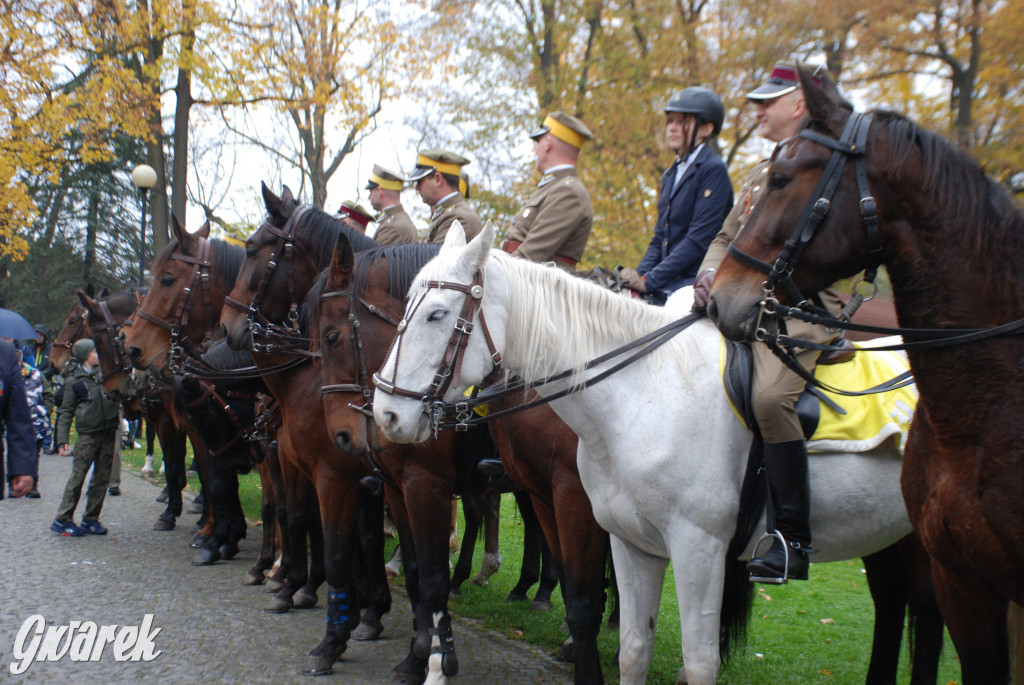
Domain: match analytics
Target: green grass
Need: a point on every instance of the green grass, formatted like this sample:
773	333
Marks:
803	633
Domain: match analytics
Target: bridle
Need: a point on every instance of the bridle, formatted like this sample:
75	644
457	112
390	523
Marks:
241	433
181	345
115	332
852	143
449	369
260	327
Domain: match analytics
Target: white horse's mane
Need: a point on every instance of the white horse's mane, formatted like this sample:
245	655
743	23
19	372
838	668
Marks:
573	318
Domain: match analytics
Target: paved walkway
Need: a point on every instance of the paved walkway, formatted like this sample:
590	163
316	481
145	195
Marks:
212	628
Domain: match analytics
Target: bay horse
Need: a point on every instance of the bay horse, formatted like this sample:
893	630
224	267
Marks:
262	312
360	298
949	237
665	490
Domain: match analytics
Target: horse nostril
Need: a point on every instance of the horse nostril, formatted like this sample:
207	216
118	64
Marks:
134	353
712	310
343	439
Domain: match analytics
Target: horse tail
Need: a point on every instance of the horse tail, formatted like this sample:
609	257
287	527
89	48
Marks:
737	600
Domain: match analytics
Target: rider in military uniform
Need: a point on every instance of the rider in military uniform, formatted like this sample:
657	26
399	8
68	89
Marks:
393	223
436	176
696	195
781	111
554	225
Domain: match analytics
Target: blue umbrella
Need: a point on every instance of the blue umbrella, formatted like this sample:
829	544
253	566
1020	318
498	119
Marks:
14	326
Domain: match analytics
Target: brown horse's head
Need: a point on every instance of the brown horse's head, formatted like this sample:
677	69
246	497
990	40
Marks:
838	247
74	328
168	304
104	317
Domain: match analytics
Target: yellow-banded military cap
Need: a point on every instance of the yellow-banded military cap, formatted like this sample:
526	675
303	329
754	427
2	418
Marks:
785	79
443	161
566	128
356	211
385	178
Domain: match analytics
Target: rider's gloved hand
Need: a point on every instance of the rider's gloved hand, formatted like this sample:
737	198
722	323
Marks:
632	280
702	289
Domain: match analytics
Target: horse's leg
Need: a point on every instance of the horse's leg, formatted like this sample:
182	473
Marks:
223	503
887	582
491	563
412	670
533	539
275	581
976	616
472	513
256	573
305	597
639	609
297	489
207	521
700	583
927	628
172	441
542	562
378	593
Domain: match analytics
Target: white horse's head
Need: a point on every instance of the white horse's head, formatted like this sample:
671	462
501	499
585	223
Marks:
432	314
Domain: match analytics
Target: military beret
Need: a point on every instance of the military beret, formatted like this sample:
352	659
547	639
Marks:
385	178
356	211
783	79
442	161
566	128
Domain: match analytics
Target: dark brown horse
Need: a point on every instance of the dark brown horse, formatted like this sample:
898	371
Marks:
263	310
950	239
360	298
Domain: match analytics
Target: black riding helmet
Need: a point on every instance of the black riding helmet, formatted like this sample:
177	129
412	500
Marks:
700	101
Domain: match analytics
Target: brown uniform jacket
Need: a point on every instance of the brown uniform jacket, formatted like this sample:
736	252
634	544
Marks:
753	188
555	221
447	211
395	227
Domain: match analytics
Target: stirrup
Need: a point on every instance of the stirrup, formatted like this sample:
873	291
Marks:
772	580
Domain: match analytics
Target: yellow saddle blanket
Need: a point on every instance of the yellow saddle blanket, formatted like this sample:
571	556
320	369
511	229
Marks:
869	419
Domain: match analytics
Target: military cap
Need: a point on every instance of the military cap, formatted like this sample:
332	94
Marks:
464	185
385	178
783	79
443	161
356	211
82	348
566	128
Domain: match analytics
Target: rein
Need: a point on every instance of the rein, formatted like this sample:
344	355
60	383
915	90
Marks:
449	369
241	433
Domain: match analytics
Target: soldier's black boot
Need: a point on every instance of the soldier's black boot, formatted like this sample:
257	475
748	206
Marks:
790	498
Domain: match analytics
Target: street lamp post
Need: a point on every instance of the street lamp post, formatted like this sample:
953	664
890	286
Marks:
144	178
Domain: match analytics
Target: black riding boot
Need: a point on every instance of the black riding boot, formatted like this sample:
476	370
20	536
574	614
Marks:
790	498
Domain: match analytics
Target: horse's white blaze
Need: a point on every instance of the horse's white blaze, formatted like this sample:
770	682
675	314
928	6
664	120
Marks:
661	453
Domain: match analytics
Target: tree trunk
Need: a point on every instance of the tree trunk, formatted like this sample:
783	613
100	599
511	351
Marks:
183	104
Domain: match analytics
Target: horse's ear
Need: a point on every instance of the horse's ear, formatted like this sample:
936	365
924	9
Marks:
342	262
178	232
455	239
139	296
103	293
479	248
273	202
89	290
86	299
204	230
286	194
822	97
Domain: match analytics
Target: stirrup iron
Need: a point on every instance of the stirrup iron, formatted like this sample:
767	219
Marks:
772	580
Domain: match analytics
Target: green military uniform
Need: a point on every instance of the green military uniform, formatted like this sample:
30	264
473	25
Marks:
446	212
555	223
97	419
394	226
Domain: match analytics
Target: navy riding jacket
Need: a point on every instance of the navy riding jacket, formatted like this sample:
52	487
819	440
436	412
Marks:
690	214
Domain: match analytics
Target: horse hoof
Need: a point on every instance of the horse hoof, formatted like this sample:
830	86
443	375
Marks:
567	652
392	570
253	579
401	678
228	550
162	497
195	508
319	665
541	605
515	597
199	540
480	580
164	523
206	557
303	600
368	630
277	605
274	585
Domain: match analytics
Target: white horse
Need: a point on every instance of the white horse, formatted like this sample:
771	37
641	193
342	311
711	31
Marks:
661	453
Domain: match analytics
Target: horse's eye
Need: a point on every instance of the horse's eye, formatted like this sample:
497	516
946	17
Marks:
778	182
437	315
250	252
333	336
167	281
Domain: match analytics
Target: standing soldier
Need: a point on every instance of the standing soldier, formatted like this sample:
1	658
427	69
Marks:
555	223
436	177
393	223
